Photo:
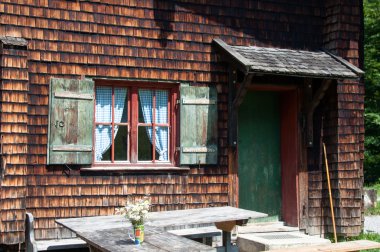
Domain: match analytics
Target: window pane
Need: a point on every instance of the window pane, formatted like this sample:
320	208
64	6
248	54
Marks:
121	143
103	104
103	143
121	105
145	105
161	106
145	144
162	143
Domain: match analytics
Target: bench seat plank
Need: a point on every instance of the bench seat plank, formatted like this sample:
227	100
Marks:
197	232
43	245
336	247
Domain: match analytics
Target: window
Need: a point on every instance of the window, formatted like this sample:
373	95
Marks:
133	124
122	123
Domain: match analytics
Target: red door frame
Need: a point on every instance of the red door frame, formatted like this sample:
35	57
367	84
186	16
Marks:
289	157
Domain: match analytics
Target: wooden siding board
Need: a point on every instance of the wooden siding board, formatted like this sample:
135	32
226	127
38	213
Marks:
344	129
14	130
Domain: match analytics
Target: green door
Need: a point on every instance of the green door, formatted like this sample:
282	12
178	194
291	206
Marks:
259	153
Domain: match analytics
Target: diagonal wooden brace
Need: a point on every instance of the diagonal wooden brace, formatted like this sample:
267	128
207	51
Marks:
311	107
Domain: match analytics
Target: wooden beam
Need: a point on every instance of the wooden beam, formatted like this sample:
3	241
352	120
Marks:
225	225
232	56
232	111
312	106
320	94
271	87
337	247
352	67
233	179
242	90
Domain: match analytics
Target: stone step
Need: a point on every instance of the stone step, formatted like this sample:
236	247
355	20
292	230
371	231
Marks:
252	242
274	218
266	228
266	223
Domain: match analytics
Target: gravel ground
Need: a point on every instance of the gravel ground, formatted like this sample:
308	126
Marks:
372	224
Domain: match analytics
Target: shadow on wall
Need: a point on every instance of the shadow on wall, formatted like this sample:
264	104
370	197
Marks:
267	23
164	18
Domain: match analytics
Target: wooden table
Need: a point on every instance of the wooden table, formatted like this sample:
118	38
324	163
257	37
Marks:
110	233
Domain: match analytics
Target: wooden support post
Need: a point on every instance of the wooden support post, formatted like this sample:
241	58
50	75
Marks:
226	227
232	111
233	181
317	97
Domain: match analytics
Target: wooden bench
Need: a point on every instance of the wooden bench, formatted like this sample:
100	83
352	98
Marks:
336	247
201	234
43	245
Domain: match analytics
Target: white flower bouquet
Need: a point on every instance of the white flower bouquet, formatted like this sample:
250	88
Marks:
136	212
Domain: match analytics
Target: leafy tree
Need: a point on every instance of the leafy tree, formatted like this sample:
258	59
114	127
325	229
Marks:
372	82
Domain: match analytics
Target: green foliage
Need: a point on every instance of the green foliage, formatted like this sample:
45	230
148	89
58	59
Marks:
372	144
372	82
372	53
367	236
372	211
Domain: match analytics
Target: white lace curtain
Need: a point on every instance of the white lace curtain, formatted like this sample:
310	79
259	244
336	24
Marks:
161	116
104	114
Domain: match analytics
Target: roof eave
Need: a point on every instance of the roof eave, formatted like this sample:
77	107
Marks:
304	75
239	60
347	64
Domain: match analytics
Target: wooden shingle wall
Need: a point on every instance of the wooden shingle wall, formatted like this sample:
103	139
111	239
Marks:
13	130
138	39
344	128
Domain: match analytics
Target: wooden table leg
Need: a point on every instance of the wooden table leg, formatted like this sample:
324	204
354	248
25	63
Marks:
226	236
226	227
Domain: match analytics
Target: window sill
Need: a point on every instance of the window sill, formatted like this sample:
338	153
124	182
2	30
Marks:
135	169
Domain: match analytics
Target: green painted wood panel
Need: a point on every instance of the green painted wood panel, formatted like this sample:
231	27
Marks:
71	116
259	153
198	125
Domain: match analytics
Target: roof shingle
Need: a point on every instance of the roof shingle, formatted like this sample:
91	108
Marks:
318	64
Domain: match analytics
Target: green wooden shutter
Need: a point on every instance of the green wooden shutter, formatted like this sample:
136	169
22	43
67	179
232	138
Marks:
198	125
71	115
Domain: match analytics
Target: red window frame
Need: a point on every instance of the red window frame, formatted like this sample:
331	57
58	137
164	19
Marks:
133	122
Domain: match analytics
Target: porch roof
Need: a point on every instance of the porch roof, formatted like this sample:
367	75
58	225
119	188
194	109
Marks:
315	64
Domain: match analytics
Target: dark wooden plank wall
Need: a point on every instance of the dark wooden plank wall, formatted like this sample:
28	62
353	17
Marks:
141	39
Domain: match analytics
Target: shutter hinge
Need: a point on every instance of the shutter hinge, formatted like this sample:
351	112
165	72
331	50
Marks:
178	148
178	101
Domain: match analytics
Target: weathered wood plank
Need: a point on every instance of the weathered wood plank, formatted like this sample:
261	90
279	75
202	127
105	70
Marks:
199	101
111	233
198	123
72	148
198	149
119	239
167	220
174	242
200	232
336	247
73	95
70	118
